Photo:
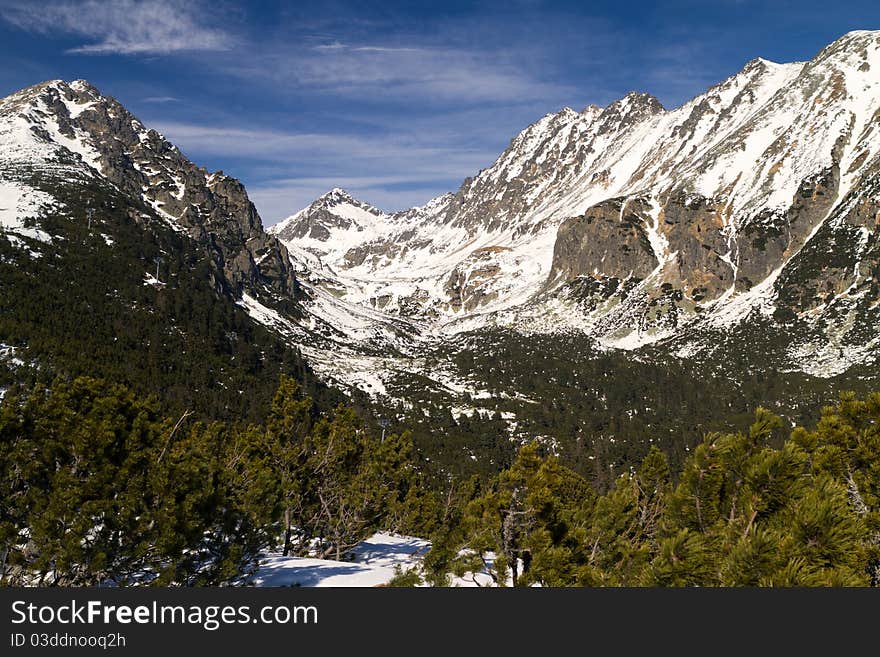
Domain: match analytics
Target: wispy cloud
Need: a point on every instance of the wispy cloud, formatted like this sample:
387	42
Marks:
386	49
331	46
389	170
121	26
376	72
160	99
306	147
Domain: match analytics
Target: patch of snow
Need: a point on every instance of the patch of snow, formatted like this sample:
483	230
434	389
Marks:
74	109
7	354
373	564
170	220
78	145
19	202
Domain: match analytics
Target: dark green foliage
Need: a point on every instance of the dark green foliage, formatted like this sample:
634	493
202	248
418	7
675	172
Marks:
742	513
660	475
98	485
846	446
603	410
82	308
531	520
336	482
404	578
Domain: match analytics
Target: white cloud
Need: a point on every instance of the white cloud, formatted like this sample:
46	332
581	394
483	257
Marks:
386	49
331	46
121	26
408	153
410	169
382	73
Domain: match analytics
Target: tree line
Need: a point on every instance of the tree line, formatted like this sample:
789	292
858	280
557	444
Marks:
100	485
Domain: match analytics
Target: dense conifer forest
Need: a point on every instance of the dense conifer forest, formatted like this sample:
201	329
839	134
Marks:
100	485
85	306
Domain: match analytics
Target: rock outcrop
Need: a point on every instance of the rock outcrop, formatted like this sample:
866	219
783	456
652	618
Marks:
213	209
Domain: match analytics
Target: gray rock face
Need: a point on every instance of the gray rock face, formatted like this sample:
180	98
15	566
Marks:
772	237
693	227
609	240
468	286
213	209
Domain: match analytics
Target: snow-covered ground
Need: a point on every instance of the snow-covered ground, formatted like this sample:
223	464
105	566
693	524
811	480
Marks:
18	202
373	563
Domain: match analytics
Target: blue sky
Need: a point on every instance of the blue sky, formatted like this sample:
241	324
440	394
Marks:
395	101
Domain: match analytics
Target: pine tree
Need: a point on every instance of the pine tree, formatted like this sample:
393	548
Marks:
289	422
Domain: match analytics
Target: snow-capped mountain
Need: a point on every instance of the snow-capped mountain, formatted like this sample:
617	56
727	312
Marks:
70	133
743	222
70	154
636	224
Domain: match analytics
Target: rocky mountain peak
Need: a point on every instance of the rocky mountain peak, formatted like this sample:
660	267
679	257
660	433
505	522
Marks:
338	196
84	86
634	106
855	39
333	211
853	49
758	64
591	111
75	125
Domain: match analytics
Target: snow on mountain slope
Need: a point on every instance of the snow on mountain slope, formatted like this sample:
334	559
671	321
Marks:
459	253
59	139
633	224
629	222
33	134
18	203
32	142
68	134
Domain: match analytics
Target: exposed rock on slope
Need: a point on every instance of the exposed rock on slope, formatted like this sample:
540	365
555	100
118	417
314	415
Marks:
64	130
636	224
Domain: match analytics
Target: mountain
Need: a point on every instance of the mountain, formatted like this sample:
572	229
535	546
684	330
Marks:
63	132
120	258
619	277
633	225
